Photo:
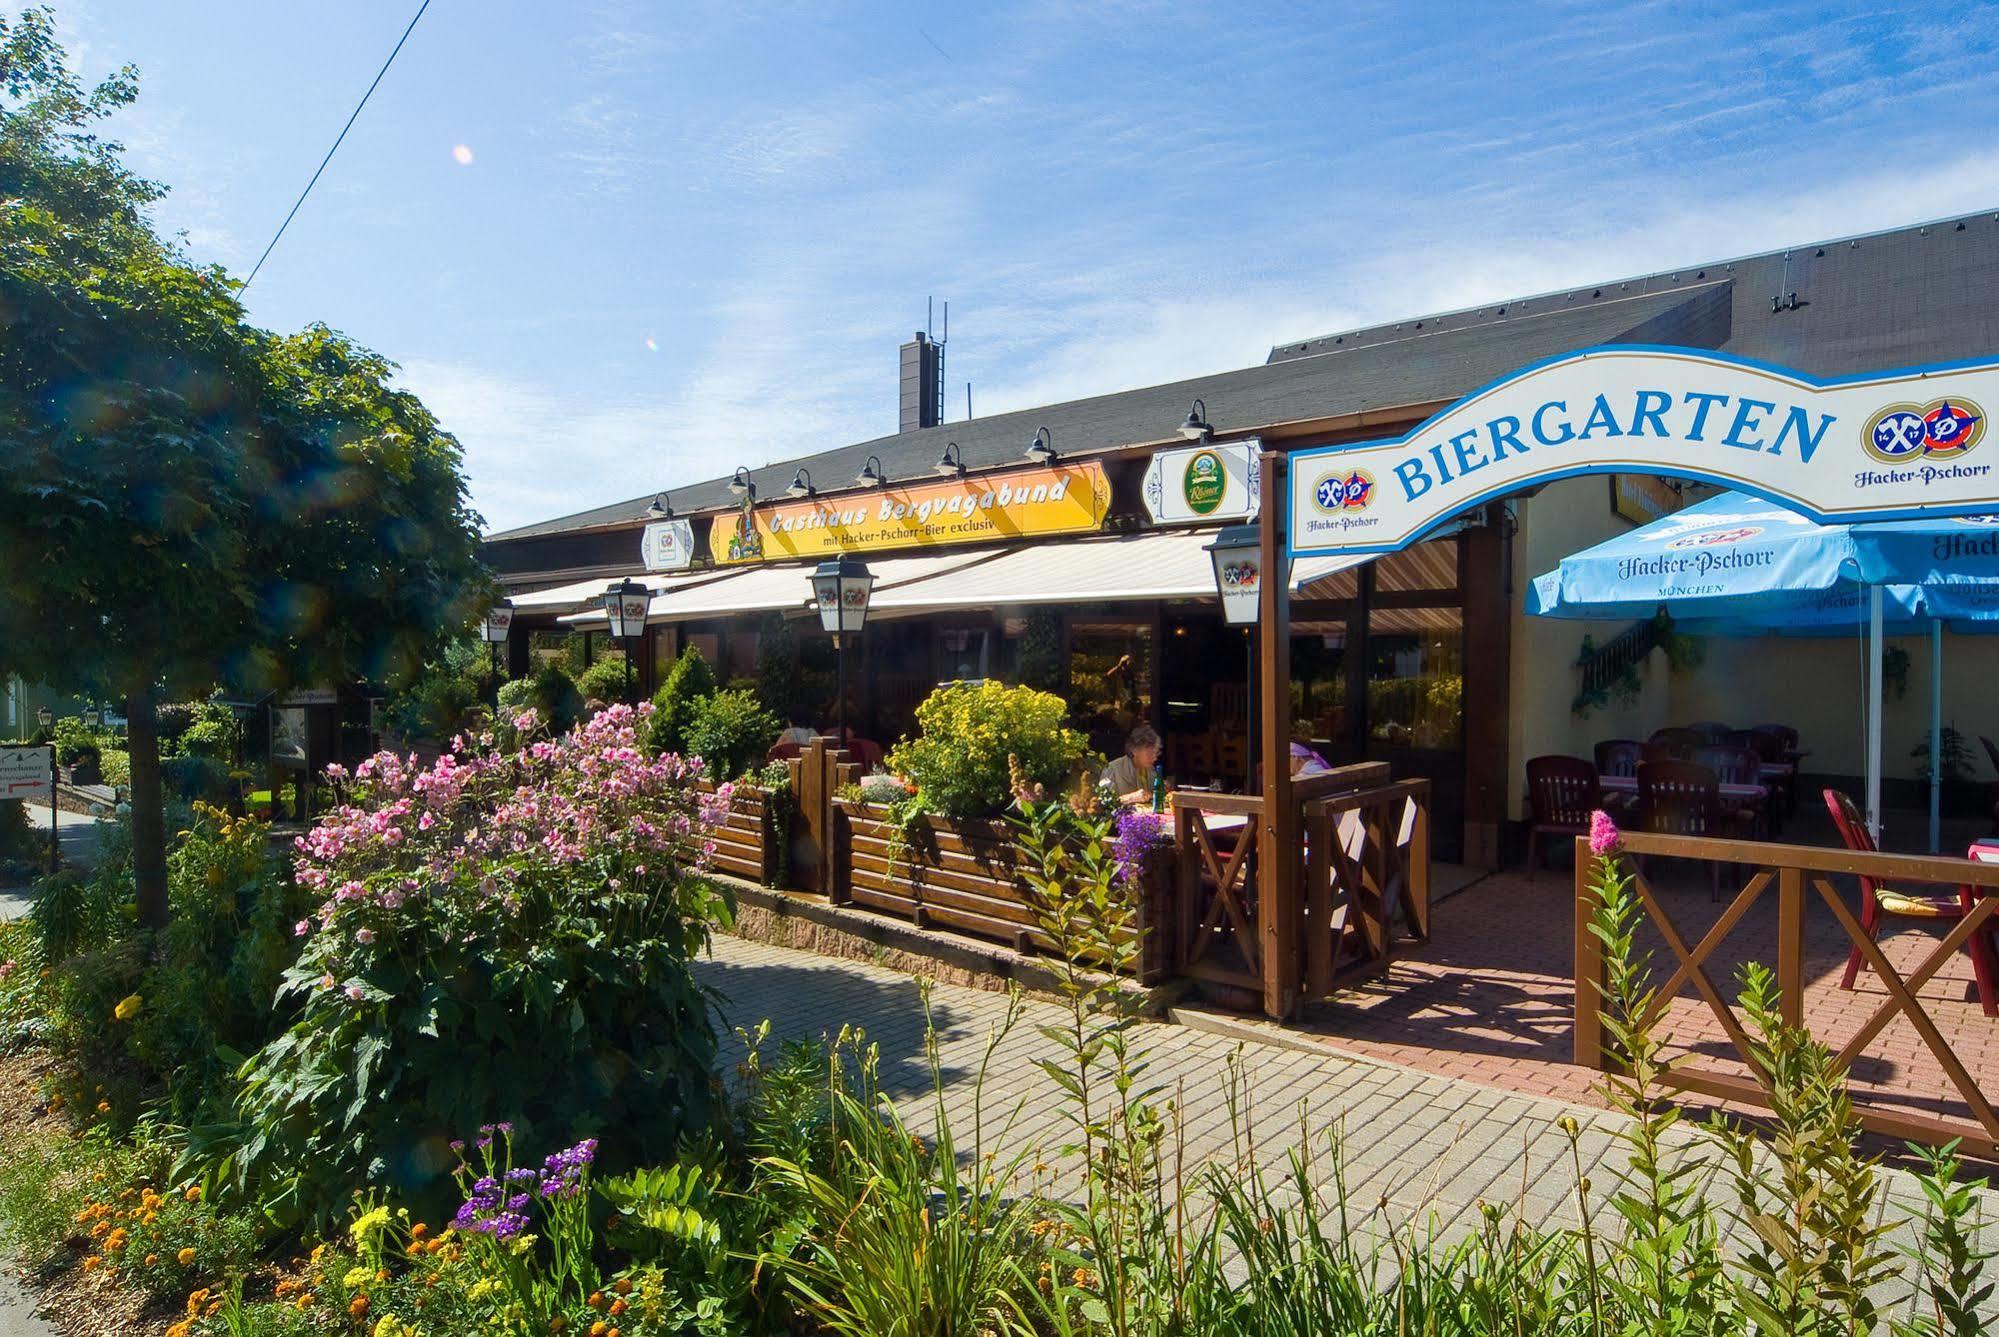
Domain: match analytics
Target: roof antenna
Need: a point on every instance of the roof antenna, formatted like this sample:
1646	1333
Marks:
968	401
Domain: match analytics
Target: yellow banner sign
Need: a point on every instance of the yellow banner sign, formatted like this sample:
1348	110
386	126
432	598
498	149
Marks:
1063	499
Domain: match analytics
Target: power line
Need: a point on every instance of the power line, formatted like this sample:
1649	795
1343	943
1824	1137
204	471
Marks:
335	149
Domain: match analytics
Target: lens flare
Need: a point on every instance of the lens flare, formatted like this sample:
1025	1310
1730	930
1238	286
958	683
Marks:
652	344
462	155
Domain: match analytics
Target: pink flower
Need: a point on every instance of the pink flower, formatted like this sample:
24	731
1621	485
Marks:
364	936
6	969
354	994
1603	833
300	929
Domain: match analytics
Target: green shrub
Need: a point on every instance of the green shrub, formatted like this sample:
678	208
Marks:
195	779
780	681
730	731
522	953
20	841
689	681
74	742
115	765
211	738
516	695
604	680
556	699
959	761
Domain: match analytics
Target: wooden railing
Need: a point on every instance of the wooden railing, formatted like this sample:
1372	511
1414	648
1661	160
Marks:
1802	877
1365	884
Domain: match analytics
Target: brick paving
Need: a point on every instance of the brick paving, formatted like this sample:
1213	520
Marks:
1490	998
1424	1147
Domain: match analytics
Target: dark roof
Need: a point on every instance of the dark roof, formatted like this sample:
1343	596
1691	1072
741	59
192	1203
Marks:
1928	293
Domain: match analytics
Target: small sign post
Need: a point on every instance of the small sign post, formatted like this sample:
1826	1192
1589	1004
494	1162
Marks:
30	772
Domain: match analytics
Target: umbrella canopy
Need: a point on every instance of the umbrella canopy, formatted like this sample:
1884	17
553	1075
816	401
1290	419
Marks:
1750	560
1738	566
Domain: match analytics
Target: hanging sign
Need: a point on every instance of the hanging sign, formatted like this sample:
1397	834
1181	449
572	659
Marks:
1214	482
27	772
1060	499
1643	498
667	545
1856	448
499	624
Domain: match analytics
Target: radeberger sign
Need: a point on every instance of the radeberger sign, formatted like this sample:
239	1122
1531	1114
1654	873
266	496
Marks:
1856	448
1062	499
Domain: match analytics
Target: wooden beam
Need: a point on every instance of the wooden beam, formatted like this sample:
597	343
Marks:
1279	912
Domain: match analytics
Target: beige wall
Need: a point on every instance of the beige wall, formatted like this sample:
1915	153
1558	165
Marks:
1813	684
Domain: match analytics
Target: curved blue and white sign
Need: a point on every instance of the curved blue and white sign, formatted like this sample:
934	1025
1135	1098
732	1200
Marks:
1868	447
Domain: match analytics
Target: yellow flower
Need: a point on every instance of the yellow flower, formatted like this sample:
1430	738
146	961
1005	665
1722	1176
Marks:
193	1193
128	1007
368	1223
356	1278
185	1257
91	1263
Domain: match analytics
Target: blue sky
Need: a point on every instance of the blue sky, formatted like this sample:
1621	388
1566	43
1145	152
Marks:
1109	195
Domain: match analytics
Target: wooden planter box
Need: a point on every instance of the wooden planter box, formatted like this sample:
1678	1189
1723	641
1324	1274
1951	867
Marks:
964	875
745	842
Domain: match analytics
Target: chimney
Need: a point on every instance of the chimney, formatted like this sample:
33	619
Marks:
922	383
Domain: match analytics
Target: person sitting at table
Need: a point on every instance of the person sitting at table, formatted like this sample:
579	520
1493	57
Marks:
1129	776
1304	761
799	730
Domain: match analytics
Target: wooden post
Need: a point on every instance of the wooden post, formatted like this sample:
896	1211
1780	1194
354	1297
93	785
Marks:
1279	912
815	817
1791	945
1589	966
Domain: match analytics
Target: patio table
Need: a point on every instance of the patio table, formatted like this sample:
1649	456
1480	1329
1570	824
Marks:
1628	784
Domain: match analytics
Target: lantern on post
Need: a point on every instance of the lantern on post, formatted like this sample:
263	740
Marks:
92	716
46	718
627	604
1237	553
499	625
842	588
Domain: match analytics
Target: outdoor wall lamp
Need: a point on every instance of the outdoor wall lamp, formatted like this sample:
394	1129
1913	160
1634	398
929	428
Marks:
842	587
661	508
740	484
92	717
46	718
627	608
1196	427
1042	448
871	474
951	464
801	486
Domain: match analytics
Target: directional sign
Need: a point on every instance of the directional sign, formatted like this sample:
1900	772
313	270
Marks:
25	772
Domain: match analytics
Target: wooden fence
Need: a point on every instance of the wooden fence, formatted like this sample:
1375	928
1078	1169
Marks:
1801	876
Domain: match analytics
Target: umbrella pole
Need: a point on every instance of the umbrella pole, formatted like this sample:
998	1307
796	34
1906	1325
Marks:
1874	712
1936	735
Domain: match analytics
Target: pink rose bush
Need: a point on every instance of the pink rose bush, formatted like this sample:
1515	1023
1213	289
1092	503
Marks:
503	934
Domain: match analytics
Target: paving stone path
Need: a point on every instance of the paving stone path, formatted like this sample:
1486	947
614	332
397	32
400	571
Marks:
1423	1149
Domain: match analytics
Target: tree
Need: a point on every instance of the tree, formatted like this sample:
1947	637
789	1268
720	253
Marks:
188	501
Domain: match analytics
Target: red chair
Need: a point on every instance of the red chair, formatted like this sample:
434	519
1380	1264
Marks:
1679	798
1877	900
1562	792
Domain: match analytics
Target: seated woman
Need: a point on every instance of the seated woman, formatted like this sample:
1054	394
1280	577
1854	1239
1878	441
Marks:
798	730
1129	777
1304	761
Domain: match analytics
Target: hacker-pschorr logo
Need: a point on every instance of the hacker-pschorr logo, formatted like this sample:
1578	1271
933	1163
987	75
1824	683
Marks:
1937	432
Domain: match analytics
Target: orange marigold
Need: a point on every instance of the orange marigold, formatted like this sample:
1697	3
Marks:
358	1306
185	1257
618	1308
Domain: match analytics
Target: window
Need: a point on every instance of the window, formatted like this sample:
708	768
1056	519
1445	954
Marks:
1415	681
1110	680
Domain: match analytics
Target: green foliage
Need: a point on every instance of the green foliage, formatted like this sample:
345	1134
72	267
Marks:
114	767
21	844
1956	762
968	733
1043	657
193	779
605	680
216	739
75	741
730	731
686	684
780	680
209	502
781	810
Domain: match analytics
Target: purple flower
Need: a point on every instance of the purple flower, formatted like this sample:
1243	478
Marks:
1139	833
1603	833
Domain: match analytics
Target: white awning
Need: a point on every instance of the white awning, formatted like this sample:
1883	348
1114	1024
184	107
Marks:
1160	565
589	594
785	588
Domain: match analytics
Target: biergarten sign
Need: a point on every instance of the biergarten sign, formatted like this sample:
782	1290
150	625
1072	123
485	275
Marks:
1854	448
667	545
1061	499
1213	482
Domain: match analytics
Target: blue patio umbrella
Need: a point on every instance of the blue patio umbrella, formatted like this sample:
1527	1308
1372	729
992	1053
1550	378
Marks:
1738	565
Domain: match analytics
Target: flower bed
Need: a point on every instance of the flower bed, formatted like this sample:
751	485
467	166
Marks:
966	874
748	842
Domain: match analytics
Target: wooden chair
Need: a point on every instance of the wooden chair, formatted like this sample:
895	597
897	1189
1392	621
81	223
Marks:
1561	794
1619	756
1736	766
1232	756
1877	900
1680	742
1775	747
1679	798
